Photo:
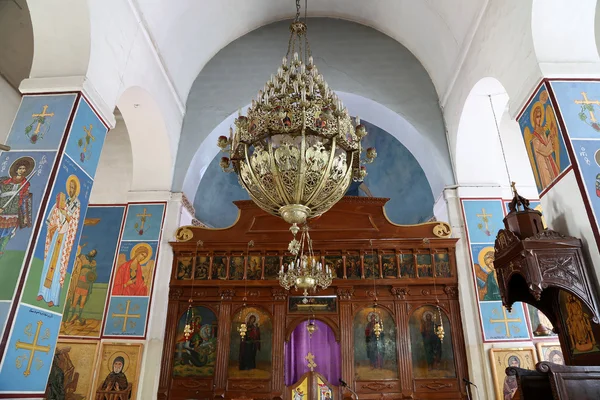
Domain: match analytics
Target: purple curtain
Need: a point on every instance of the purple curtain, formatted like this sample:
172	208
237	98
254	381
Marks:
322	344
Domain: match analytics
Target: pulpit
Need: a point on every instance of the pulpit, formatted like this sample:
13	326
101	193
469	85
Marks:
548	270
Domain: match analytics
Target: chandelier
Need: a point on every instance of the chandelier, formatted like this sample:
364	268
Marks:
297	149
305	272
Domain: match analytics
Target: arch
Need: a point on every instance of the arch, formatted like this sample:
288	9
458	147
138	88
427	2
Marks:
62	38
564	37
297	321
479	157
152	158
233	76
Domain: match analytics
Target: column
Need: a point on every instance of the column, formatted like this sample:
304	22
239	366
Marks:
55	141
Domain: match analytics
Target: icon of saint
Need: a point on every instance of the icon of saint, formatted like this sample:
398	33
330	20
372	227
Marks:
129	279
249	344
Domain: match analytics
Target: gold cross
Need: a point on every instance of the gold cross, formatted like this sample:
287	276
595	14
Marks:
143	217
125	316
310	357
586	101
505	321
88	133
484	217
32	347
43	114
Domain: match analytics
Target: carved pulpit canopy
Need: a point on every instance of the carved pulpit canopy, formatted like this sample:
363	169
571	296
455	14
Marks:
534	263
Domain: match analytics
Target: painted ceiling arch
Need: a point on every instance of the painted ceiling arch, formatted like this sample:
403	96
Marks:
395	174
349	56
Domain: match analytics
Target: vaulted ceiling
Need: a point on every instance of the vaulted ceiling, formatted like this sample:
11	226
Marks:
188	33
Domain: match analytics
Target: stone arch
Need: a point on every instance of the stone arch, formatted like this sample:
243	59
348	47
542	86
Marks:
398	82
564	37
62	38
479	153
152	158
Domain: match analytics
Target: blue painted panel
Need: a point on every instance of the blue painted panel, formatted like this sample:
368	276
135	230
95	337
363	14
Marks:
588	158
543	139
23	371
61	200
143	221
86	138
22	206
577	108
395	174
493	317
4	310
136	309
534	204
34	128
484	219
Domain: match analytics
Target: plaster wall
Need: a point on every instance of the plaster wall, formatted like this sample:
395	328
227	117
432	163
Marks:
9	104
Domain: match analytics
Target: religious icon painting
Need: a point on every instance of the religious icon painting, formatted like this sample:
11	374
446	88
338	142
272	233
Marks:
299	391
19	206
143	221
126	316
442	265
543	139
41	122
582	334
541	327
312	304
236	267
500	359
353	266
432	357
86	137
484	219
196	355
90	277
325	392
49	272
254	268
485	274
388	265
72	371
371	265
272	265
184	268
202	267
134	269
500	324
250	355
30	350
219	267
118	371
424	266
588	158
375	344
407	265
578	106
550	352
336	264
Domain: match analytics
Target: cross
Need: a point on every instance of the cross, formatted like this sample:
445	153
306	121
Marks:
310	357
125	316
484	217
586	101
88	133
32	347
505	321
143	217
43	114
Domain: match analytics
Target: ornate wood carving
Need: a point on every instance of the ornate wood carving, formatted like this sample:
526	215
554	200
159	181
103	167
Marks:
353	228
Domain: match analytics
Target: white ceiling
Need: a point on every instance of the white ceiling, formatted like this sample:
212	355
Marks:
188	33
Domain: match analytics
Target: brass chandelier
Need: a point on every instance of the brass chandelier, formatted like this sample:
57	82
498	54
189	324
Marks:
297	149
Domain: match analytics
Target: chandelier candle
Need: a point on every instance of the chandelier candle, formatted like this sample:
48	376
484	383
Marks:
297	149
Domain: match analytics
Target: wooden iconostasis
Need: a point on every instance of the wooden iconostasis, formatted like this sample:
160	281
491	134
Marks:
410	269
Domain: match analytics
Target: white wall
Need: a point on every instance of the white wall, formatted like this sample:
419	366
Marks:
115	168
9	104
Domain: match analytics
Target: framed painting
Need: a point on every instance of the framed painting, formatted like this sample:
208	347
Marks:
336	263
236	267
388	265
254	268
250	356
196	355
424	268
353	266
312	304
506	386
219	267
118	370
72	369
550	352
272	265
582	335
541	327
202	267
184	268
371	264
407	265
442	265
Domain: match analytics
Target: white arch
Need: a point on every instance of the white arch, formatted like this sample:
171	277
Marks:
479	159
152	157
564	37
62	40
370	110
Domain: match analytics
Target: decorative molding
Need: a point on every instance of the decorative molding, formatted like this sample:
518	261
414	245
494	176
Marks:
184	234
345	293
248	386
451	291
175	293
226	294
442	230
187	204
279	294
192	383
196	222
436	386
400	292
377	386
